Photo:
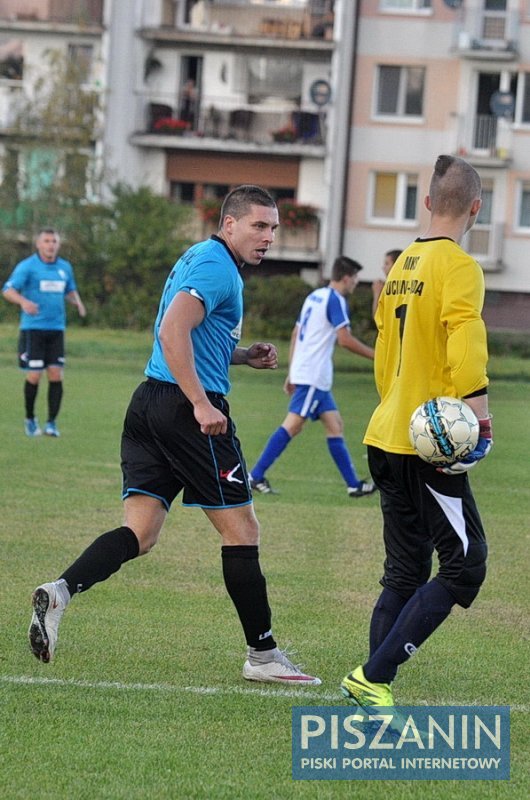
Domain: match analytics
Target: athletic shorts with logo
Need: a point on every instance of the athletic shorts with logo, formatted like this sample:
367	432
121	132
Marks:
423	511
163	451
38	349
310	402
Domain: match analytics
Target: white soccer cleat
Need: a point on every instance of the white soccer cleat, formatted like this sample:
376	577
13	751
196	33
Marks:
48	608
280	670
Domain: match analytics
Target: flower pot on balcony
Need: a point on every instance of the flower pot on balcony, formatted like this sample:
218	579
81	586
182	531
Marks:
298	225
298	238
168	125
285	135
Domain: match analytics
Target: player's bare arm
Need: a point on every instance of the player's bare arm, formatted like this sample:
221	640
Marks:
75	300
354	345
183	315
28	306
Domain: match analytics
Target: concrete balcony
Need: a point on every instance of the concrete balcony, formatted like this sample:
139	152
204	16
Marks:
240	26
485	141
51	15
277	127
487	35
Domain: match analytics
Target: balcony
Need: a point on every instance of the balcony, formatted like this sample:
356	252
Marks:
490	35
297	238
238	25
12	103
276	126
48	14
485	140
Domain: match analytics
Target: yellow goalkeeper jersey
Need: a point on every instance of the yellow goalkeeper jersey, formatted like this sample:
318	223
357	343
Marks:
431	336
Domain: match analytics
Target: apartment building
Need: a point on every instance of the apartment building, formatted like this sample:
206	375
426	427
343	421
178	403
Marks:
200	95
443	76
339	107
30	31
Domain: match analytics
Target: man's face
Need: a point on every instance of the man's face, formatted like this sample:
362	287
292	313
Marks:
251	236
388	263
350	282
48	246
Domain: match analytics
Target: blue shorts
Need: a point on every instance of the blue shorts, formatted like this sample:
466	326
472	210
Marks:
309	402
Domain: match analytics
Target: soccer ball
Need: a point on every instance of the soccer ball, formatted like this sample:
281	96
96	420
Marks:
443	430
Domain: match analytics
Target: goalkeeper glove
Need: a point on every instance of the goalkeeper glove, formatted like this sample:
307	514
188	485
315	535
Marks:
484	445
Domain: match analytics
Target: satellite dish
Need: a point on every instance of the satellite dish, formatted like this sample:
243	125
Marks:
320	92
502	104
454	4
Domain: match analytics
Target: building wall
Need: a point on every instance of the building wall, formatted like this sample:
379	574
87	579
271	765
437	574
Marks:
410	145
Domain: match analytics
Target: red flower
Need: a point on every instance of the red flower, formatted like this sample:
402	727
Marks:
170	125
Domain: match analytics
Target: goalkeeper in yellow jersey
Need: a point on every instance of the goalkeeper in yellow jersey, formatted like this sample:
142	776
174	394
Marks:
431	342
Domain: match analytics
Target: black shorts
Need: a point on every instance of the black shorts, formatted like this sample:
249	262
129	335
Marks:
426	511
164	452
40	349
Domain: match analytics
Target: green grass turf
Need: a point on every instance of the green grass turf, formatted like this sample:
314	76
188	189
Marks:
145	698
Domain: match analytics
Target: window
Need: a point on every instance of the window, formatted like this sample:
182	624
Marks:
75	175
80	55
400	91
274	77
523	214
479	237
39	170
522	102
11	59
405	5
183	193
394	197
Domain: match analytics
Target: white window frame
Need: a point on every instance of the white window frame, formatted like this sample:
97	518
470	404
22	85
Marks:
523	185
522	78
400	114
400	204
400	7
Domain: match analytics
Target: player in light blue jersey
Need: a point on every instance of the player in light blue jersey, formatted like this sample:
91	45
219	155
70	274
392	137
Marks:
323	321
178	436
39	285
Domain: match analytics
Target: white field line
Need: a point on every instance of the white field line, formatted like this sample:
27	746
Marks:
309	692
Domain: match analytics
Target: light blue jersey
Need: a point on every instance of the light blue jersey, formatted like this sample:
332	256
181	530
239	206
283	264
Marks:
209	272
44	284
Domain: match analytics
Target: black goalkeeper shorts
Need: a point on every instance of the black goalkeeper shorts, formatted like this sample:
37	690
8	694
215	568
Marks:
426	511
164	452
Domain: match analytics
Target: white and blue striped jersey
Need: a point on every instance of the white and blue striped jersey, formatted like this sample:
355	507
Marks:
209	272
323	313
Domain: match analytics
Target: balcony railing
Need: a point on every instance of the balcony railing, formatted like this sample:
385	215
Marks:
74	12
293	20
280	122
480	33
484	137
12	101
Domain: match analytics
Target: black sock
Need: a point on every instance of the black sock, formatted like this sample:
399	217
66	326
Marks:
247	588
30	395
101	559
422	614
55	394
385	613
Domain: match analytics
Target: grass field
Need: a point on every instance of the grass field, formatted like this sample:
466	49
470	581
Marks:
145	699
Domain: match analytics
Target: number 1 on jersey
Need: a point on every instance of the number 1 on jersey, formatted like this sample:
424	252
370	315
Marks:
401	313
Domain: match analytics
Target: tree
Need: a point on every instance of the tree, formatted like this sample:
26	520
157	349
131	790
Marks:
140	240
121	250
49	163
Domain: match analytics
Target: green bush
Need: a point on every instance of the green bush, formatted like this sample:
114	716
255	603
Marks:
272	306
